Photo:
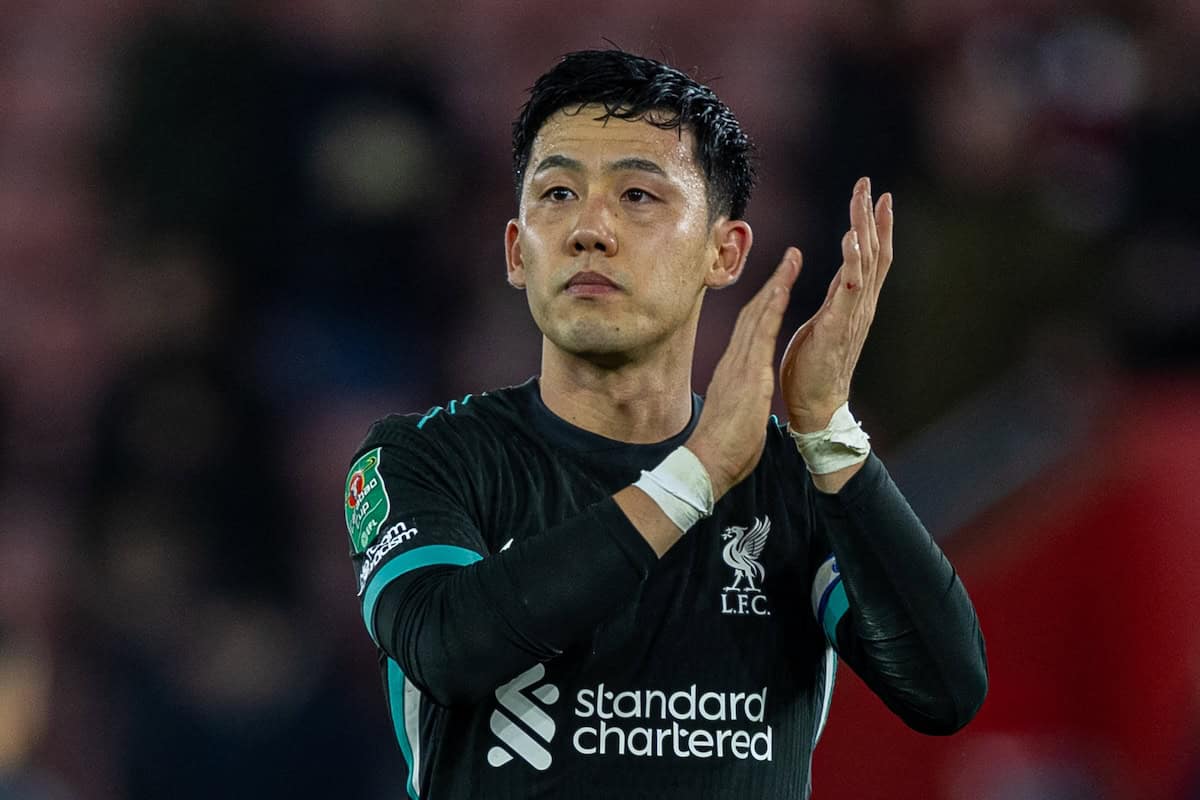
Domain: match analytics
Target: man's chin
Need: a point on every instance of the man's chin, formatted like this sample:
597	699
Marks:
606	348
602	356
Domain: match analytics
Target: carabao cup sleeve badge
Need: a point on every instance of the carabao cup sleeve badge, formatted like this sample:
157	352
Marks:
367	502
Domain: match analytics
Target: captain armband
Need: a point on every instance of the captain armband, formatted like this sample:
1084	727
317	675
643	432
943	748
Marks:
843	443
681	487
829	600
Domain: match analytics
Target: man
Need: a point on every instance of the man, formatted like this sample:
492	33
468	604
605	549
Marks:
596	585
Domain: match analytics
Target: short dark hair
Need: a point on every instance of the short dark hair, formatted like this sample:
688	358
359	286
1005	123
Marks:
632	87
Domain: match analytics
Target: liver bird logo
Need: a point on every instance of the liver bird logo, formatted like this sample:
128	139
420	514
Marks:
743	546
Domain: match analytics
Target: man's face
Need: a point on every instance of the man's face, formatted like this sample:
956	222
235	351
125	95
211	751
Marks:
613	244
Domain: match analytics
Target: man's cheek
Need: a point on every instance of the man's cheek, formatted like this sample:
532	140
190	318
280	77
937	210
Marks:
542	308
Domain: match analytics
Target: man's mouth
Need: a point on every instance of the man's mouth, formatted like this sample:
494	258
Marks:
590	283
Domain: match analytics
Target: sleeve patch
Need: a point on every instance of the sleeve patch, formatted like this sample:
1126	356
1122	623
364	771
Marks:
367	501
392	538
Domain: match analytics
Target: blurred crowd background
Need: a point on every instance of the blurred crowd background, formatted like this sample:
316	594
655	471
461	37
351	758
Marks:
233	234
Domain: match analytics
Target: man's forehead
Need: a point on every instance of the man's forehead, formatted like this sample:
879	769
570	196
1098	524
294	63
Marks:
585	138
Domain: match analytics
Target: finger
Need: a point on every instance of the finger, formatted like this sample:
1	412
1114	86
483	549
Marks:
777	302
789	268
767	330
772	297
785	273
783	278
887	222
766	333
873	225
862	223
850	276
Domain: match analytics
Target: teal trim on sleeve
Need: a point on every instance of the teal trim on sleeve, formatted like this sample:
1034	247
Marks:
413	559
395	678
835	608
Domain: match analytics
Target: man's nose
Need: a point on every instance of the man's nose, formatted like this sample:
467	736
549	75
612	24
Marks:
593	231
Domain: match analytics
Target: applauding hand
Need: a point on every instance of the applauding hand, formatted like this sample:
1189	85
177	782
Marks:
819	362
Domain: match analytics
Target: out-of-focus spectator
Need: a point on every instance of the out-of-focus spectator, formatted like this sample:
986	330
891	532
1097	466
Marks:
25	712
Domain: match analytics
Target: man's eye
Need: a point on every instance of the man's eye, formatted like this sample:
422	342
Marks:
638	195
559	193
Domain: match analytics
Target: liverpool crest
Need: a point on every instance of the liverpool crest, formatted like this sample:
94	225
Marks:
743	548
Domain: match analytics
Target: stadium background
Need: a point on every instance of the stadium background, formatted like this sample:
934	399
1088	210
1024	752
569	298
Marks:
231	234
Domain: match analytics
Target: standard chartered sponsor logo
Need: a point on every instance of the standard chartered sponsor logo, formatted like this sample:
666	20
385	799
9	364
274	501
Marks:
523	718
651	723
682	724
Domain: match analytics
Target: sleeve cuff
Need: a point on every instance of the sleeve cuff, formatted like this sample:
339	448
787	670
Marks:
865	482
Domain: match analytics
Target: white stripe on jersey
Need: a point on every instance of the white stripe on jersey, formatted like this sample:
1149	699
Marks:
412	728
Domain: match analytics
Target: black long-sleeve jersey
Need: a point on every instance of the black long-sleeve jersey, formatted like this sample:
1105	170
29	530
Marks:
532	645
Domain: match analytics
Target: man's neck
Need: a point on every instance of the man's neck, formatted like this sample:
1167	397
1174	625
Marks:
639	402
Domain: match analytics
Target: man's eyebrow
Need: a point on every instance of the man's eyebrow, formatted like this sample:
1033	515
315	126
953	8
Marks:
550	162
620	165
638	164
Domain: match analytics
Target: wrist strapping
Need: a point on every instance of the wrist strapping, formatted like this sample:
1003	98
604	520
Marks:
843	443
681	487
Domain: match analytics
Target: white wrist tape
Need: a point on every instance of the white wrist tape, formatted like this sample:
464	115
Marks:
843	443
681	487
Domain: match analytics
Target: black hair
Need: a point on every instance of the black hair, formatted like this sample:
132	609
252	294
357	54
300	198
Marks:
632	87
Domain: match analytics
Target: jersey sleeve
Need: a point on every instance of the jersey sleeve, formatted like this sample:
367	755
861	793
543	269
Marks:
458	618
405	510
893	606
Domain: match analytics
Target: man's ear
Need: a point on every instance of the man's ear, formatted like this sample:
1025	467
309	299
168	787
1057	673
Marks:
732	239
512	255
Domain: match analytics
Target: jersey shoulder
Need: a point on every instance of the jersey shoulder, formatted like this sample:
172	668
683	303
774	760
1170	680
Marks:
437	463
456	429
